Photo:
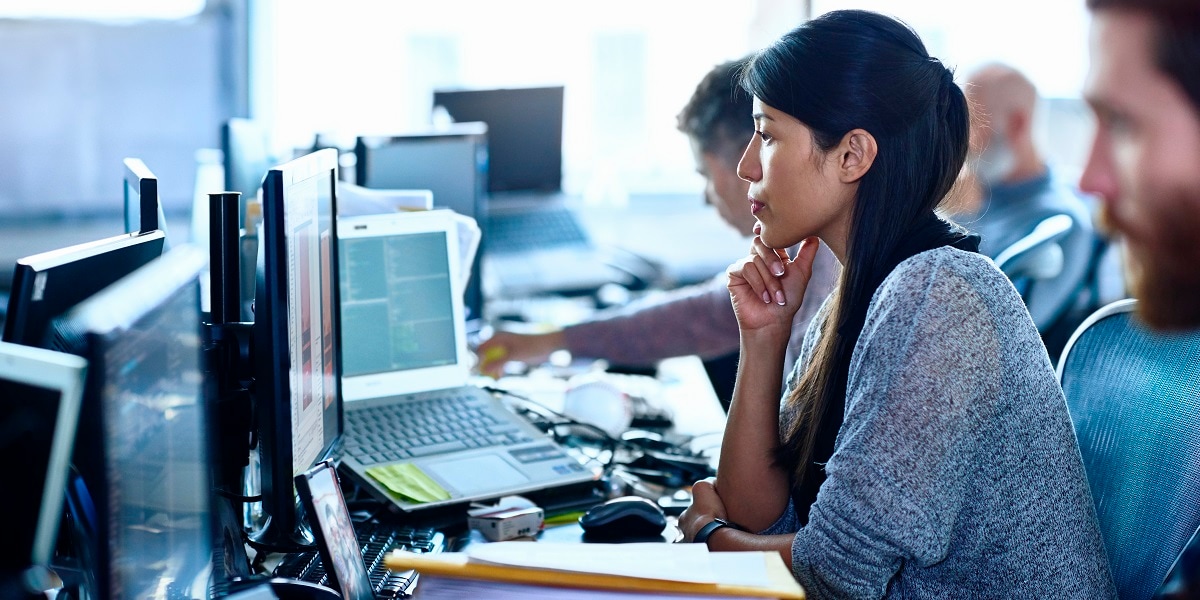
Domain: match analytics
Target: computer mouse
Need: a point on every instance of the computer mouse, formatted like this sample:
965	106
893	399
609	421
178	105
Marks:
624	517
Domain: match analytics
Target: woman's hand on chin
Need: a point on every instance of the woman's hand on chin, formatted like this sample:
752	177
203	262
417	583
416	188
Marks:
767	288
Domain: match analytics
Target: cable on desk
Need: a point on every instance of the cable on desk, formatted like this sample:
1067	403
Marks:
261	547
563	419
656	460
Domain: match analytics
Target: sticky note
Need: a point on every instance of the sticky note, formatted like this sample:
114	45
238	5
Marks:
409	482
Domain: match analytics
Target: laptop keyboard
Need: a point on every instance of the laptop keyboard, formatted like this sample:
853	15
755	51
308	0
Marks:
524	231
376	541
426	426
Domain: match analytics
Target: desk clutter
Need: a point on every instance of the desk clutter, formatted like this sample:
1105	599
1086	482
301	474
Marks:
209	422
376	541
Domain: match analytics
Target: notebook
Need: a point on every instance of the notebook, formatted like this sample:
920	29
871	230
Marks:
405	362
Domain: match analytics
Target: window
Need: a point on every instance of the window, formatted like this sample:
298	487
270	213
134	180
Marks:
628	67
1045	40
108	10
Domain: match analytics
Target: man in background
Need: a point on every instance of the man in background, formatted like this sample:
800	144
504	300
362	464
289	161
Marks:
1144	88
696	319
1019	190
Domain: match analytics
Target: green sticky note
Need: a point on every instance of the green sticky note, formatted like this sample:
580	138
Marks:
409	482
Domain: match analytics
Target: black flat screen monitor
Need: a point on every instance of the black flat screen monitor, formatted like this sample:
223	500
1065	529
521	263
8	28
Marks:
452	163
40	392
246	154
524	133
297	376
46	285
143	209
143	440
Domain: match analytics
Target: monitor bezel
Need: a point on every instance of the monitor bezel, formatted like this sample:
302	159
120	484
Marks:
272	391
138	176
62	373
25	322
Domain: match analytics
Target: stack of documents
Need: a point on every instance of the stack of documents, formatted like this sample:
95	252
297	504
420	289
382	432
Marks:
624	571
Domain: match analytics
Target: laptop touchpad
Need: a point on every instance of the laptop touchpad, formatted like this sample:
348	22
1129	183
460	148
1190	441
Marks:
470	475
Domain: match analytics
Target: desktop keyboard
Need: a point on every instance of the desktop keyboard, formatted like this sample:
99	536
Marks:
531	230
376	541
431	425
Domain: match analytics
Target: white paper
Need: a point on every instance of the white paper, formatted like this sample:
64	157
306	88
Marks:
442	588
652	560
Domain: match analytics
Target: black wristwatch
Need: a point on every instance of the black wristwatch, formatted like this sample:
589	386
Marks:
713	525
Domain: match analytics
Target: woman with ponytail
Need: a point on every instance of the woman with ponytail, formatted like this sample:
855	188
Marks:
923	447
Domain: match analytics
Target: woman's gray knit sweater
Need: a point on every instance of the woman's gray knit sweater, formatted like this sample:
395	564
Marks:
956	473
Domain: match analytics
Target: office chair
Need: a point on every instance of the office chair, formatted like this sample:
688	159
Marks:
1037	255
1134	398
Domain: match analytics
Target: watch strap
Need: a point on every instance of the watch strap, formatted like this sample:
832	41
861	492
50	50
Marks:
708	529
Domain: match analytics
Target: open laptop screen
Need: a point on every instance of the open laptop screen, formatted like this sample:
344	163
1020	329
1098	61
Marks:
407	325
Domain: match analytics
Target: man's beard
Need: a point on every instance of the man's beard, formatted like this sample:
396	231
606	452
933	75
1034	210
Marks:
1168	292
995	162
1164	270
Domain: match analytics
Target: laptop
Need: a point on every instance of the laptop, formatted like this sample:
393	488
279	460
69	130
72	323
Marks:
529	231
40	395
406	366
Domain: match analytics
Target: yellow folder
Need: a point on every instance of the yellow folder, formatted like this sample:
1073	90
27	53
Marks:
458	565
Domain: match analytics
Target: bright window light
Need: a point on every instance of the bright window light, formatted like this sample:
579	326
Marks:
628	67
1045	40
108	10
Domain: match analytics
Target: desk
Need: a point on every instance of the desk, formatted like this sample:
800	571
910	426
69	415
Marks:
685	389
687	238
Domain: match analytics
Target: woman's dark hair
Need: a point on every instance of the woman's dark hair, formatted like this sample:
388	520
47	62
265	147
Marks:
1176	49
846	70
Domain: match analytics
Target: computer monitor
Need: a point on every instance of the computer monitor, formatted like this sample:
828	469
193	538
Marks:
246	154
40	392
140	504
297	376
524	133
451	162
143	209
46	285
